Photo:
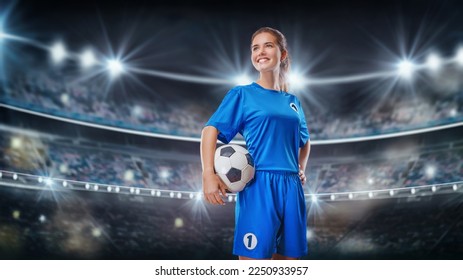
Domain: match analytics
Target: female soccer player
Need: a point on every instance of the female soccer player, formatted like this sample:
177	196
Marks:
270	213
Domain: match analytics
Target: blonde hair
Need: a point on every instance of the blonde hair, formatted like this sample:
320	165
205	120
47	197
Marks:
283	45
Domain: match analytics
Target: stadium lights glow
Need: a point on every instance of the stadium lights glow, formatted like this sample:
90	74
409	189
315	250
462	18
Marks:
58	52
433	189
413	191
313	198
296	81
370	195
332	197
42	219
351	196
1	175
48	181
405	69
115	67
87	186
198	196
230	198
459	56
391	192
158	193
430	171
164	174
171	195
242	80
16	143
96	187
118	189
434	62
87	59
109	189
455	187
65	183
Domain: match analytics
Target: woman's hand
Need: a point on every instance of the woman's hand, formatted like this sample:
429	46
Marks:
213	187
302	175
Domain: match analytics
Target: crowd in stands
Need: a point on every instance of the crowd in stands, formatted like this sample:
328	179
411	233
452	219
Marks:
148	169
81	225
61	95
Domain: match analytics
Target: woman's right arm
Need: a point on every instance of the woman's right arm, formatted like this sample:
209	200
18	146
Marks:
212	185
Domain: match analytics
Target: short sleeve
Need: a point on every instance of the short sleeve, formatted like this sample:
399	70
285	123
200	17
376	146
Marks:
228	118
304	134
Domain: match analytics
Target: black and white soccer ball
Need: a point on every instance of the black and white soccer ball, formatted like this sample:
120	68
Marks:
234	165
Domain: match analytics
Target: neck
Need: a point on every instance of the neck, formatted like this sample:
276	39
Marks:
269	80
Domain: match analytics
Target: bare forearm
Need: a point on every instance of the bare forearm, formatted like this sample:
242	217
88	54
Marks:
208	146
304	153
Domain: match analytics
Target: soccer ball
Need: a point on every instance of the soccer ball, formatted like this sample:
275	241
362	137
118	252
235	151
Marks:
234	165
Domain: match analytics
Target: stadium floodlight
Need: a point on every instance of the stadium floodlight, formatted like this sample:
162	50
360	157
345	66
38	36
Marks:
115	67
15	176
296	80
87	59
434	62
48	181
242	80
433	188
58	52
459	56
199	196
351	196
455	187
413	191
391	192
405	69
370	195
332	197
65	183
1	175
313	198
171	195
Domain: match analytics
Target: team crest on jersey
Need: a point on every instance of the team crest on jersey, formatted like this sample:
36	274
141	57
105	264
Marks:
294	107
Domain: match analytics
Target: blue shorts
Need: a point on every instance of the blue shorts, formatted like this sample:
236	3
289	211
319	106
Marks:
270	217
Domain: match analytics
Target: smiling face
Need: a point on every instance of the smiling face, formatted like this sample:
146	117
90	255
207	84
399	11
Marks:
265	52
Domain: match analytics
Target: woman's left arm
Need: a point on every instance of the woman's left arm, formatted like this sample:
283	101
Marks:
304	153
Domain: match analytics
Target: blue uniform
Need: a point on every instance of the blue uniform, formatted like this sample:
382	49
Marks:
270	211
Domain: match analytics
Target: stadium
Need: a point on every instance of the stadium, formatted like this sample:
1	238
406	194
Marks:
102	107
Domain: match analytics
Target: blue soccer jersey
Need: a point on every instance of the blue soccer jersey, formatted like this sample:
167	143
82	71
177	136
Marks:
272	123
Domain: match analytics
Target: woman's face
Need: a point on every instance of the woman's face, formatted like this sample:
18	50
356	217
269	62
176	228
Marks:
265	53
